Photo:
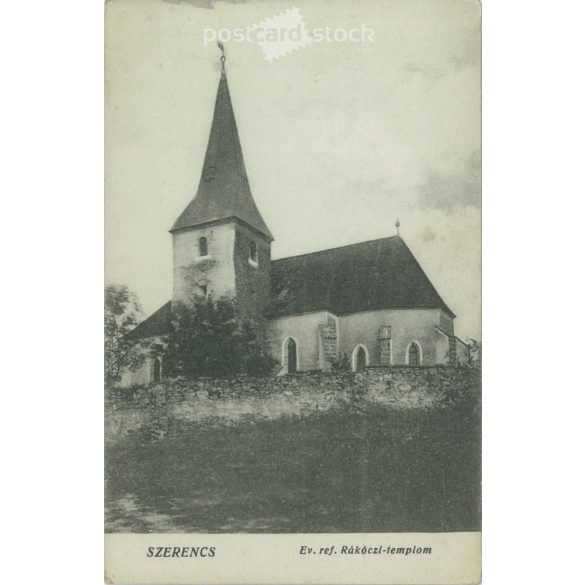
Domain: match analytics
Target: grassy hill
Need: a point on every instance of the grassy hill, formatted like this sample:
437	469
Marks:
359	468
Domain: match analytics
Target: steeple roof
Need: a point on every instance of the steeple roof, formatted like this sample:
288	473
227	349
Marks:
224	191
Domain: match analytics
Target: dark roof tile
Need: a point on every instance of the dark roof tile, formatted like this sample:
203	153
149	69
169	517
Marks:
380	274
224	191
159	323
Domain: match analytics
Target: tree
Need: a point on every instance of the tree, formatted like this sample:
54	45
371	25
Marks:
209	340
474	353
122	313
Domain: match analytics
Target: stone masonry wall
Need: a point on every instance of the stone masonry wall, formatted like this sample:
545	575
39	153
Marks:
228	402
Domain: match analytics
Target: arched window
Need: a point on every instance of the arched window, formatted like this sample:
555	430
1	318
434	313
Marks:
202	246
156	370
414	354
359	358
253	252
289	355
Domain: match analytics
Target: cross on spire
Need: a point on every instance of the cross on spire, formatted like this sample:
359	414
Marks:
222	58
397	224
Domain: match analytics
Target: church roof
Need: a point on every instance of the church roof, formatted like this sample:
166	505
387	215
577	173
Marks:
159	323
379	274
224	191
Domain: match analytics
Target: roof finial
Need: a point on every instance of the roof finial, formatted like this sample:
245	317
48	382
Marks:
222	58
397	224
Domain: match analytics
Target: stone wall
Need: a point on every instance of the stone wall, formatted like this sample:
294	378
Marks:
228	402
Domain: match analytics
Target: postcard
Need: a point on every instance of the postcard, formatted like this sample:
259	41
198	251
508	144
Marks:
293	292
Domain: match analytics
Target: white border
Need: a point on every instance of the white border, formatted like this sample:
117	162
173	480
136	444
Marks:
533	120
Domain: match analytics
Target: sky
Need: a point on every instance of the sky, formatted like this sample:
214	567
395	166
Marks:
340	139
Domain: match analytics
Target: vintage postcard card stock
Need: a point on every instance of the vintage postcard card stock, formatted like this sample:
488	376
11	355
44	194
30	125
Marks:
292	304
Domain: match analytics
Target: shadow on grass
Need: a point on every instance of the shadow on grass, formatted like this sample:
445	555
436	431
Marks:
370	469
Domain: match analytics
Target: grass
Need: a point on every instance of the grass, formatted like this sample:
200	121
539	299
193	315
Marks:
368	470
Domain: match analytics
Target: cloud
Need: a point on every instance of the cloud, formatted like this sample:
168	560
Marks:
469	49
450	191
456	49
427	71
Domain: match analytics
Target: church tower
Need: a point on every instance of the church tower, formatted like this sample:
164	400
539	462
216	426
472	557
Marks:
221	245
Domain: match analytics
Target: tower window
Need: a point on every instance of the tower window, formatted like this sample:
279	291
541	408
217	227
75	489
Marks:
253	252
202	246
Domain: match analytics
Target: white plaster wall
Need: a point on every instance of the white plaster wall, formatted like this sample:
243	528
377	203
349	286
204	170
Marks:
461	351
407	325
144	374
441	348
305	330
216	270
446	323
139	377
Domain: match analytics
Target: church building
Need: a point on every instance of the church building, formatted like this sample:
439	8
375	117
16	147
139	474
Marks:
370	301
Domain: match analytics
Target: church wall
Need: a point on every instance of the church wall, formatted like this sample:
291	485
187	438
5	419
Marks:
215	271
446	323
138	377
461	351
441	347
305	330
360	328
252	279
144	374
407	325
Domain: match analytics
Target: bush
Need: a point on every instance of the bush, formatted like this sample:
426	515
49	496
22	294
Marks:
209	340
341	363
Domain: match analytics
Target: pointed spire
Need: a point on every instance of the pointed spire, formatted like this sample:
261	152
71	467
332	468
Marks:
224	191
222	58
